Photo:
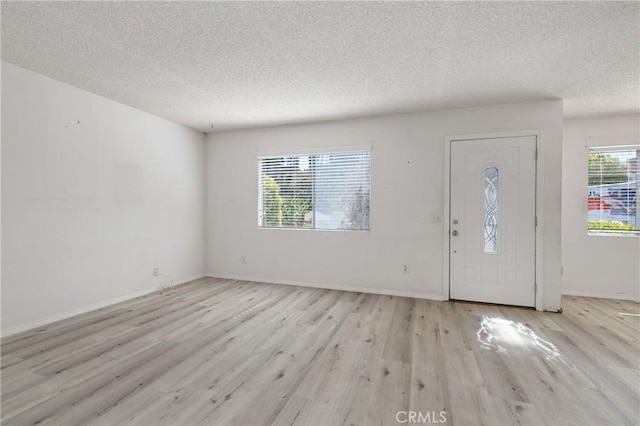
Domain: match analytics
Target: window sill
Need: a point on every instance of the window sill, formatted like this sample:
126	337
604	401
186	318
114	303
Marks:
613	234
359	231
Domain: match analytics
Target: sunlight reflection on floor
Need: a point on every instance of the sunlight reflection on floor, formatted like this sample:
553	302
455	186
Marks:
499	334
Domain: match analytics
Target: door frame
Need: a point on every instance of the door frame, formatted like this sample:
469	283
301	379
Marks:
538	134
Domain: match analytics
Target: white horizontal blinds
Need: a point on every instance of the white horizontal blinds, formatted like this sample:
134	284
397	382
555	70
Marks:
613	189
342	190
321	191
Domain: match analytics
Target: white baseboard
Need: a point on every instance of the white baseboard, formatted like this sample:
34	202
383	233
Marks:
580	293
68	314
356	289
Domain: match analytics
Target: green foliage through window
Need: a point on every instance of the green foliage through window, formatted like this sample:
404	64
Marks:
272	202
606	169
609	225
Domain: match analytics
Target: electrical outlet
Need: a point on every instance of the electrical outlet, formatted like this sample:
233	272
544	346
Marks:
155	272
405	269
436	219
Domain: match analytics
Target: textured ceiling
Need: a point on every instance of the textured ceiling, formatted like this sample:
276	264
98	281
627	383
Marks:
222	65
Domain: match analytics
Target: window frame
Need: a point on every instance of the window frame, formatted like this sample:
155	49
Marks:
595	232
310	153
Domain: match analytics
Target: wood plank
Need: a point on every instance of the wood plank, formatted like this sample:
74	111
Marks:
429	386
400	334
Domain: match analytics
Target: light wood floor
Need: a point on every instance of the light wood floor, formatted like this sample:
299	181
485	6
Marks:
228	352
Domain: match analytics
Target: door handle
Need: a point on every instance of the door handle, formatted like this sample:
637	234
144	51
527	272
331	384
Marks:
455	233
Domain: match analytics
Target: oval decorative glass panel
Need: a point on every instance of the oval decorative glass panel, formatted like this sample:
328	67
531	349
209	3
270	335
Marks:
490	188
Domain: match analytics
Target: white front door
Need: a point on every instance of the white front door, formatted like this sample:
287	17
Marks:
492	220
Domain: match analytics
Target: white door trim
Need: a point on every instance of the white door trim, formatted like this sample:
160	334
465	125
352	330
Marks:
539	205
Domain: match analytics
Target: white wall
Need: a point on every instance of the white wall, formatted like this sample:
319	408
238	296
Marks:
95	194
407	190
599	266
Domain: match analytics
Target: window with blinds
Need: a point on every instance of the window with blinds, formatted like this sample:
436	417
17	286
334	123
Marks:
315	191
612	192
